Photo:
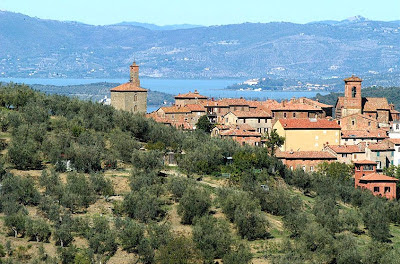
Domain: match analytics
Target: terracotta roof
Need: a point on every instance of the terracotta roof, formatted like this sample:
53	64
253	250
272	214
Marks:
241	126
395	141
371	104
377	177
353	79
382	146
235	101
128	87
345	148
313	102
289	106
364	162
308	124
195	107
360	115
394	111
191	95
251	114
305	155
376	133
175	109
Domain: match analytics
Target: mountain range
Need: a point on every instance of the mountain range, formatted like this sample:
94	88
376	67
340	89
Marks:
39	48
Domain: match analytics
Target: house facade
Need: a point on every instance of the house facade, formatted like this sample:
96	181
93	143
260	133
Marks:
307	134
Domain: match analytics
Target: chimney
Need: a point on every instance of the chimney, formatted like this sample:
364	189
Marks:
134	74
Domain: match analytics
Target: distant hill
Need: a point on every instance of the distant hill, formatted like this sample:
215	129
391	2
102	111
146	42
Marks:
157	27
33	47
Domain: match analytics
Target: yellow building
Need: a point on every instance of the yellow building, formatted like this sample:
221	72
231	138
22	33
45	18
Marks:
307	134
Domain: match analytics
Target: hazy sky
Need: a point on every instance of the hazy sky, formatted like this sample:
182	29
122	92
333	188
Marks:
204	12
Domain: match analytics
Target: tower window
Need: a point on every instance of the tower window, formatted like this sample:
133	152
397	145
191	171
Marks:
353	91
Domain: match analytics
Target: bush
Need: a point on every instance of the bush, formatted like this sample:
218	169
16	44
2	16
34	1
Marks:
130	234
143	206
101	185
78	192
251	224
195	202
178	185
101	238
147	160
21	189
38	230
212	237
16	224
179	250
239	255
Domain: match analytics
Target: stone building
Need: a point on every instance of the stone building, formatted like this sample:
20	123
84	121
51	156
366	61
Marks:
130	96
374	107
382	153
258	119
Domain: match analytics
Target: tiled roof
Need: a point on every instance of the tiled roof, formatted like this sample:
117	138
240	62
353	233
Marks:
371	104
345	148
395	141
236	126
289	106
195	107
313	102
128	87
353	79
377	177
175	109
364	162
376	133
308	124
305	155
251	114
382	146
360	115
191	95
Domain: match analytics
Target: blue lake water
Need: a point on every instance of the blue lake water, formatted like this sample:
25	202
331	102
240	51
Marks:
211	88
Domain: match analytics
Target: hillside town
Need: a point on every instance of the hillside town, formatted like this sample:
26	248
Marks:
364	131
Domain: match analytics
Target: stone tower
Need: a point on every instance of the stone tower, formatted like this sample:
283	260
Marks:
352	103
130	96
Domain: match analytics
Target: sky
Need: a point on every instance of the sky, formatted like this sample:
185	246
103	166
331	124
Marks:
204	12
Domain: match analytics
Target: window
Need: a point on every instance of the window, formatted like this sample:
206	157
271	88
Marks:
353	92
392	153
378	153
338	122
376	189
273	114
358	168
397	126
284	115
311	168
259	120
135	108
291	167
304	168
344	155
244	121
135	97
387	189
353	122
369	123
294	114
316	137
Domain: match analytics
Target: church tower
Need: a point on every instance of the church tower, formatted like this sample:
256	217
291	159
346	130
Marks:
352	96
130	96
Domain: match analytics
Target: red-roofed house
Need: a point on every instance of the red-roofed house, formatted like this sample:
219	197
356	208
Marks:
354	137
347	153
258	119
243	134
305	160
382	153
366	177
190	98
307	134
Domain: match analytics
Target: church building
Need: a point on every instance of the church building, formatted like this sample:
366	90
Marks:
353	103
130	96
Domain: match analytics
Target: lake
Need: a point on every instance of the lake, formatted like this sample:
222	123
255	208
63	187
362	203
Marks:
210	88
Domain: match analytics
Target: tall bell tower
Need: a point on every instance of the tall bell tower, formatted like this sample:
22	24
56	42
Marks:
134	74
352	96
